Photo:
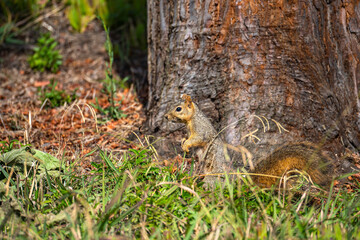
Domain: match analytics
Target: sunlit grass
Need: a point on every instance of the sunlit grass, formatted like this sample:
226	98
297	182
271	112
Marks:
136	198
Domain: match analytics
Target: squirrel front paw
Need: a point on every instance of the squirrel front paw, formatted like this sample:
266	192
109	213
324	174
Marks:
184	145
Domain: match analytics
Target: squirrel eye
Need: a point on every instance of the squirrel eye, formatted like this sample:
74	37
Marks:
178	109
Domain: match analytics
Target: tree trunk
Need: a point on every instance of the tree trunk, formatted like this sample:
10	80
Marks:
295	62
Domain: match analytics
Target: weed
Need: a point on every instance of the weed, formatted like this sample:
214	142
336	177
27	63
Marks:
110	85
14	15
81	12
45	56
129	17
8	146
7	34
56	98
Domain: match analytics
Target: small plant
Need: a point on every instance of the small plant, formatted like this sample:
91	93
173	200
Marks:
15	15
110	85
57	98
6	146
7	34
45	56
81	12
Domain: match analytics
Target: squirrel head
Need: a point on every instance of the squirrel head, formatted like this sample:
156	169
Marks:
183	111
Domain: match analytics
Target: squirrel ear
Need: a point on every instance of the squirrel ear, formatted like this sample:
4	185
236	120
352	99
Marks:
186	98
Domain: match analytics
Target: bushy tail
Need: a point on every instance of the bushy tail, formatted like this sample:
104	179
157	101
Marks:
301	156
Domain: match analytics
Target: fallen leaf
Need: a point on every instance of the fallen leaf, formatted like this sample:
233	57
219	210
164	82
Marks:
41	84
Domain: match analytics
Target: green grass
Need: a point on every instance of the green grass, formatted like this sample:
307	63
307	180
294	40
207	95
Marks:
110	85
129	195
15	15
8	146
55	97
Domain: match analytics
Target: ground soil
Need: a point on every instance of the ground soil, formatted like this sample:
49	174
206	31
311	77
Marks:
71	131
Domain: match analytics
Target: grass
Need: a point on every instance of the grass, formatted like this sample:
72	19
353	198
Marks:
55	97
110	85
14	16
130	195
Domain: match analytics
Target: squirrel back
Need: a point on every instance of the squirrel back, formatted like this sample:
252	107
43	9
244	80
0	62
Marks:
302	156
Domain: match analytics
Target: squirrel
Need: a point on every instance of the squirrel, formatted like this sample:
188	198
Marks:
302	156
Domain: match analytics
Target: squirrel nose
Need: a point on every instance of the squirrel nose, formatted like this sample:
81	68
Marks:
167	117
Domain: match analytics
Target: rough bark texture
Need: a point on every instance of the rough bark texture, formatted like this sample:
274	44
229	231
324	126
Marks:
296	62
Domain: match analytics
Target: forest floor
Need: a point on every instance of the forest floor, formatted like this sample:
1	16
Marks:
70	131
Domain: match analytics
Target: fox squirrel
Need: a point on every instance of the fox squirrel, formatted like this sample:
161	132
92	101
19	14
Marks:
301	156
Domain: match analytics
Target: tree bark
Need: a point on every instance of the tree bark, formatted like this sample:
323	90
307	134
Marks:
296	62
